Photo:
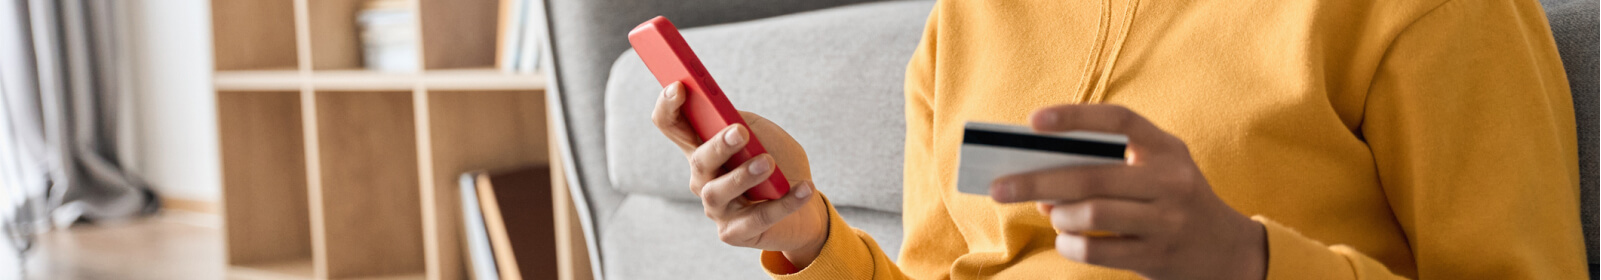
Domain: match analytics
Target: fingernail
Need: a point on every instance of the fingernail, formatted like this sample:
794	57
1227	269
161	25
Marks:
1047	118
734	137
804	191
1002	191
671	91
759	165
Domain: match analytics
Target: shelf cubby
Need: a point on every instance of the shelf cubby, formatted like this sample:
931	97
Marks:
264	167
254	34
458	34
366	216
335	36
475	130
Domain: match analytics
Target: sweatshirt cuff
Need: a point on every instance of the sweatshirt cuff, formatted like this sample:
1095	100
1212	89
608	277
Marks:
1294	256
841	258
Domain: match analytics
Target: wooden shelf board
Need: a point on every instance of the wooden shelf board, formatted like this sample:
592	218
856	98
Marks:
299	269
408	276
291	269
482	79
256	80
366	80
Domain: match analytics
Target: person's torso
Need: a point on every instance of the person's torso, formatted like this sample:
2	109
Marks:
1267	94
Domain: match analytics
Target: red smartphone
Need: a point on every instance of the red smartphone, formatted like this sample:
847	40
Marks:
669	58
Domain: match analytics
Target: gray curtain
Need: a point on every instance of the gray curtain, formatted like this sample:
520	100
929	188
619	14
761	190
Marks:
64	71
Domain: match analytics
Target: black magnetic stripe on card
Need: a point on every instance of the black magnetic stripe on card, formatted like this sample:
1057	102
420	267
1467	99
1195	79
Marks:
1042	143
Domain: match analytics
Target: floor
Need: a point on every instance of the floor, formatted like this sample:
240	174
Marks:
172	245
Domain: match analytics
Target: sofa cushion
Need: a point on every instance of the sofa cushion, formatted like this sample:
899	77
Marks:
832	78
656	238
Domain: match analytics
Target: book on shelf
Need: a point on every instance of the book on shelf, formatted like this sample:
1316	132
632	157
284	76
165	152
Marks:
519	221
533	24
518	43
480	256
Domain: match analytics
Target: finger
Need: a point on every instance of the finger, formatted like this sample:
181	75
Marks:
1142	134
1075	183
719	192
1121	253
667	118
708	159
764	215
1120	217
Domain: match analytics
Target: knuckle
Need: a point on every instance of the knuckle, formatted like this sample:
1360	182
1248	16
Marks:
706	194
1124	117
728	237
1183	181
763	218
1087	185
1090	215
1024	186
1179	176
1098	252
1178	144
698	163
1175	219
659	120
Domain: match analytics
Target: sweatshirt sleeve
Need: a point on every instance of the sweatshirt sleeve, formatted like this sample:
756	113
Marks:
1471	126
848	253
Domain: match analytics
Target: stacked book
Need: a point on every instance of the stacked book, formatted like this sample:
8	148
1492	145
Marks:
518	47
508	221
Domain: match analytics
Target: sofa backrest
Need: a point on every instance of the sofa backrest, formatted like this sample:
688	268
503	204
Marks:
832	78
583	37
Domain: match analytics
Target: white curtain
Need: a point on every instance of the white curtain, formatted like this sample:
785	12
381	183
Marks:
63	76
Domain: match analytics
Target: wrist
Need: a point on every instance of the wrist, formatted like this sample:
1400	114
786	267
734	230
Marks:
1253	254
804	255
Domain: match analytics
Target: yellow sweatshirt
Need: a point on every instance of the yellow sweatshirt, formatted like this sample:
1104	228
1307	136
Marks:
1374	139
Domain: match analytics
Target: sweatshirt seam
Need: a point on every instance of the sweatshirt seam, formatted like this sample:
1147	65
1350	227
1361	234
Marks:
1367	98
1100	92
1389	47
1092	60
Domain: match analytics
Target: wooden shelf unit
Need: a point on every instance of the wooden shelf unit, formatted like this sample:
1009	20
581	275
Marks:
445	79
331	171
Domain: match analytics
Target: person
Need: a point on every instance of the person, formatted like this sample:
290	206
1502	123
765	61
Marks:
1319	139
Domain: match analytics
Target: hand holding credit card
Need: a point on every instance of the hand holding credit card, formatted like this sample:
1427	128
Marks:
1136	188
990	151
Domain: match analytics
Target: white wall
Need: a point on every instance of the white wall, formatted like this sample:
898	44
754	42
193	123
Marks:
175	124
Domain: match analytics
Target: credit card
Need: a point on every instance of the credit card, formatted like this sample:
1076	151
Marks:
990	151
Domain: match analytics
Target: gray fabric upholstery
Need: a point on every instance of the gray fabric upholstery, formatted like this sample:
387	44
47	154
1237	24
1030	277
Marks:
1574	24
832	78
656	238
585	36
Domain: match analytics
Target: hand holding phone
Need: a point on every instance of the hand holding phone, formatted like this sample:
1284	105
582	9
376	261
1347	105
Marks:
669	58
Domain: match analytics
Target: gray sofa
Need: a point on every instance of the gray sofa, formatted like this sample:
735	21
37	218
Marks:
829	72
